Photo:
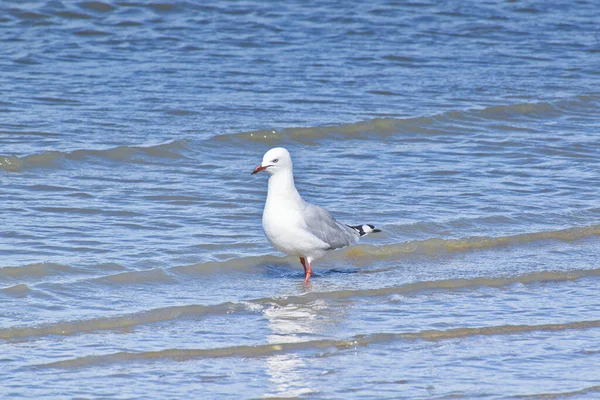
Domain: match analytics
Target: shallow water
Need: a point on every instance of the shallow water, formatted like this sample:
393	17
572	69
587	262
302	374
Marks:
132	260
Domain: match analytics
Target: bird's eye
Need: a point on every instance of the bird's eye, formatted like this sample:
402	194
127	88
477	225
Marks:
275	160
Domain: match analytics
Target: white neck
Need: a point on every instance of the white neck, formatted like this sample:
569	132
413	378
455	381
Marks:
281	187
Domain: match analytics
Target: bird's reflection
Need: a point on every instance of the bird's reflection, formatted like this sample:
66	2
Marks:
305	287
297	322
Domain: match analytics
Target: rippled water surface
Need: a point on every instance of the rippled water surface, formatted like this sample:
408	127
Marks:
132	259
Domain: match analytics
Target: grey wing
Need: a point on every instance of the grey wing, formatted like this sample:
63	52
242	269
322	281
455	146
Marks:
324	226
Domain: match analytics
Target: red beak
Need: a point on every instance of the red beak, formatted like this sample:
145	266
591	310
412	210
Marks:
258	169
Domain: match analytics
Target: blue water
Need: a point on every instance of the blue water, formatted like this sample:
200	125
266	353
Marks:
132	259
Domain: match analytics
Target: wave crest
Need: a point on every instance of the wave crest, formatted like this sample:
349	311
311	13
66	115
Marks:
436	246
120	154
265	350
378	128
157	315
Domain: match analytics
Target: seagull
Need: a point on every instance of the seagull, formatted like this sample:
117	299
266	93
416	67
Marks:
294	226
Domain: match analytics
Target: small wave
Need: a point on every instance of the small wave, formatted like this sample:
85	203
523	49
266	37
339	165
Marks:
427	247
436	246
20	290
363	253
29	15
257	305
375	128
10	163
265	350
56	100
136	277
31	133
97	6
162	7
119	322
436	335
435	124
120	153
234	264
561	395
72	15
436	285
26	60
37	270
91	32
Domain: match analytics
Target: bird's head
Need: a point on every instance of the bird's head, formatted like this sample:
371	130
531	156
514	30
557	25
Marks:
275	160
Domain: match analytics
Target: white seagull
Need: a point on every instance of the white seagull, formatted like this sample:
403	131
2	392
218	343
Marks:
294	226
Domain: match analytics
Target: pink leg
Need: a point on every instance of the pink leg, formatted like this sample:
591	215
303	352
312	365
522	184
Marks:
308	272
303	261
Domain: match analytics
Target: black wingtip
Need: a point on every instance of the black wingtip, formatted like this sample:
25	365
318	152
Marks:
364	229
373	229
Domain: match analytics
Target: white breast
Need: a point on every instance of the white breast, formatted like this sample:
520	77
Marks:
285	227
